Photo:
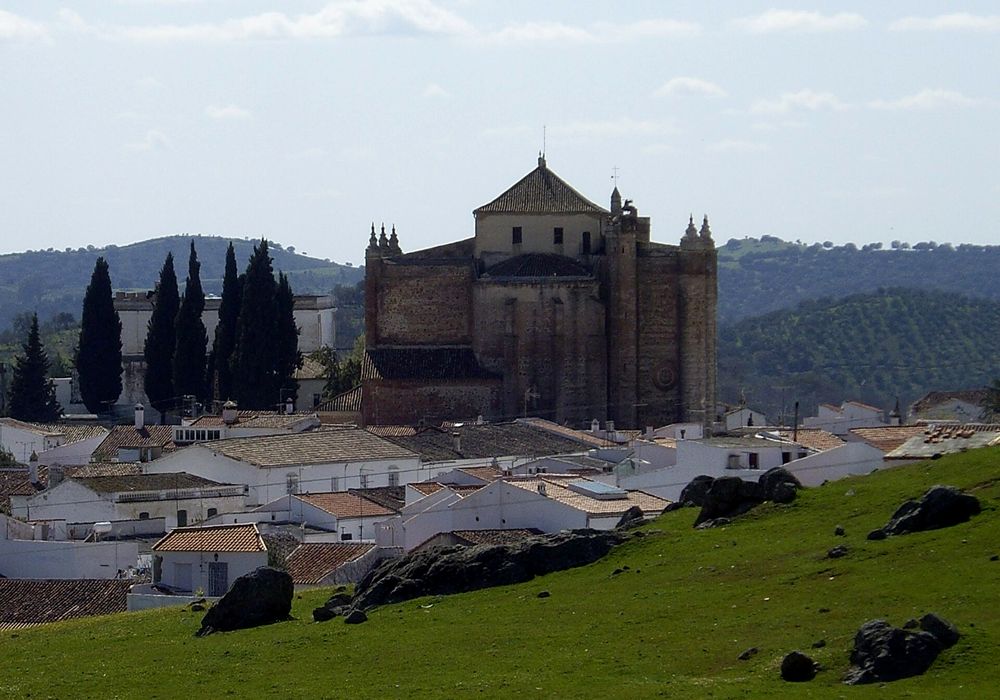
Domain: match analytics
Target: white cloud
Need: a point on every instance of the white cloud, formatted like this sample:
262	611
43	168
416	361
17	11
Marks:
602	32
959	21
927	100
803	99
17	28
689	86
154	140
614	128
148	82
435	90
737	146
799	21
336	19
784	124
224	112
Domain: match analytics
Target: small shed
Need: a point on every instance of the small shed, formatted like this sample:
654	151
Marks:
207	559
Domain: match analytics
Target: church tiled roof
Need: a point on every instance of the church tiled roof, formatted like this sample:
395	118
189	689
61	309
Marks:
541	192
423	363
538	265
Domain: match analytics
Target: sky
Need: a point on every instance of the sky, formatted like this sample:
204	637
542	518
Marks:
304	122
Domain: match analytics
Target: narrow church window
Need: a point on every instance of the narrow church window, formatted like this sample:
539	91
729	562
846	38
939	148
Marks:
515	236
585	244
557	235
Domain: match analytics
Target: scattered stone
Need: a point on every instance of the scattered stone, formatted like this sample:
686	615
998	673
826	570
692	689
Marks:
837	552
714	522
945	631
839	531
544	594
355	617
337	604
616	572
747	654
796	667
941	506
258	598
823	610
886	653
995	557
633	517
877	535
197	607
446	570
819	644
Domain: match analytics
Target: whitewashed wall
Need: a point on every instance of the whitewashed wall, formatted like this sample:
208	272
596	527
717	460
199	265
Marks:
65	559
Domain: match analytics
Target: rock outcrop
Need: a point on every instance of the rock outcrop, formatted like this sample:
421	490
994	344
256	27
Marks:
886	653
441	571
796	667
941	506
258	598
729	496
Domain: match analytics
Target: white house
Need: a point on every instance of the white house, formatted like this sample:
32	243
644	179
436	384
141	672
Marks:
334	458
548	503
965	406
53	443
743	417
178	498
23	555
207	559
349	514
234	423
840	420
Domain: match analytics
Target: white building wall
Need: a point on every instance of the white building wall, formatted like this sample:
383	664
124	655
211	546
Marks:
67	501
240	563
739	419
851	458
21	443
66	560
74	454
494	233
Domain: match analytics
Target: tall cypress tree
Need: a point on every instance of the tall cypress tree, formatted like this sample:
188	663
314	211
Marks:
99	353
288	358
32	394
225	332
161	340
192	340
256	383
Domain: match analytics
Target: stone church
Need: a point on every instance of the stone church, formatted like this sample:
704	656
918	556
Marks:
556	307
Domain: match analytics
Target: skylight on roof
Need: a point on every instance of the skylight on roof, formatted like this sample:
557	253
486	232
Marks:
598	490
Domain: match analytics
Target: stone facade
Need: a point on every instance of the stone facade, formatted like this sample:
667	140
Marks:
556	307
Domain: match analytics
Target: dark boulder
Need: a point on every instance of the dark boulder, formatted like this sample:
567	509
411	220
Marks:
796	667
355	617
837	552
729	496
633	517
945	631
778	485
839	531
886	653
261	597
748	654
337	604
445	570
941	506
694	493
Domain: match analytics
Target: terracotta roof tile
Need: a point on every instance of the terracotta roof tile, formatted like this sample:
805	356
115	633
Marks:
311	369
104	469
931	399
343	504
391	497
571	433
34	601
556	488
144	482
329	445
127	436
313	561
256	419
391	431
887	438
812	438
71	432
213	538
541	192
484	473
347	402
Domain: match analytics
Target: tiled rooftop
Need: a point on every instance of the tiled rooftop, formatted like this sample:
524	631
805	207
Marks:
889	437
946	439
391	497
256	419
71	432
127	436
311	369
487	440
35	601
541	192
928	401
214	538
347	402
343	504
144	482
313	561
812	438
104	469
579	435
14	482
429	487
556	488
333	444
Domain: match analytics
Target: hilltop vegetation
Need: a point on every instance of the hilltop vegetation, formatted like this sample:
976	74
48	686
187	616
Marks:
671	625
870	347
52	281
757	276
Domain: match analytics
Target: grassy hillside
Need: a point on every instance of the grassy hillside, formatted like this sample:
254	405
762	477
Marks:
872	347
757	276
672	625
54	281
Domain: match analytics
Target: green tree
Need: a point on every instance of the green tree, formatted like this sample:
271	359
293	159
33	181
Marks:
191	338
225	332
288	357
32	394
991	408
256	381
99	353
161	339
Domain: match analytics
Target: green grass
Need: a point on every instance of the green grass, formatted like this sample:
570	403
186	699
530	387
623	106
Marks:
670	626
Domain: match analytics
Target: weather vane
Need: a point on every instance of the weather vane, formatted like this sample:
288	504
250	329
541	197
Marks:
614	175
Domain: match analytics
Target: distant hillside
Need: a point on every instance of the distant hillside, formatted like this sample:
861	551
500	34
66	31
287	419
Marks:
757	276
53	281
870	347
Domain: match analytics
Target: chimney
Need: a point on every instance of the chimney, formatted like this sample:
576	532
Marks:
649	431
595	427
289	406
55	476
542	490
229	412
610	429
140	416
457	440
33	468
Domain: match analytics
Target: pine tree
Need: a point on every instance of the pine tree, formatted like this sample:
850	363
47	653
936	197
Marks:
289	359
192	340
99	354
32	394
256	382
225	332
161	340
